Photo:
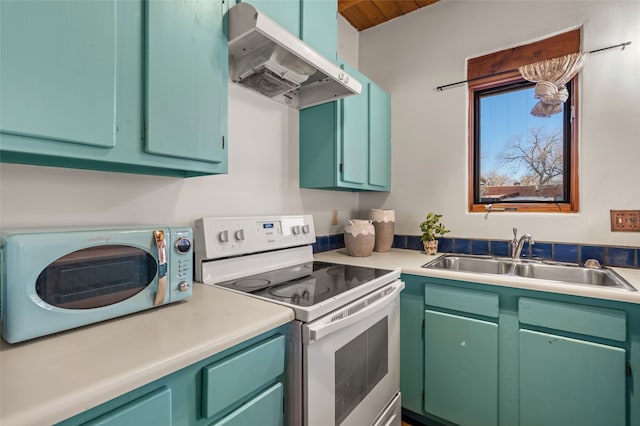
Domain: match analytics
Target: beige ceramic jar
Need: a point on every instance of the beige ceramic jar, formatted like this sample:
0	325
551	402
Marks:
384	222
359	237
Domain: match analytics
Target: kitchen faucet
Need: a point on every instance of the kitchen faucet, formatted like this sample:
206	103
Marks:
517	244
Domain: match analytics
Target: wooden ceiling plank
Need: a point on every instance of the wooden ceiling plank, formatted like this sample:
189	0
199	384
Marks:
373	14
424	3
357	19
363	14
388	8
346	4
406	6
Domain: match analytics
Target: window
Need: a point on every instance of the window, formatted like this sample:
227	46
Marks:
517	161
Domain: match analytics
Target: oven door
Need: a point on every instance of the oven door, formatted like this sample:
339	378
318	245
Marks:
352	361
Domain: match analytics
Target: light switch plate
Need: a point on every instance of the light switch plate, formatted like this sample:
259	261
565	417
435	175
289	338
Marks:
625	220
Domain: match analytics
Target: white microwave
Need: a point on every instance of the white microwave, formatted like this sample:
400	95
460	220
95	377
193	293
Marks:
57	280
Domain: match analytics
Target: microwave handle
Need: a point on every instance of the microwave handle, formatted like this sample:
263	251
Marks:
317	332
162	267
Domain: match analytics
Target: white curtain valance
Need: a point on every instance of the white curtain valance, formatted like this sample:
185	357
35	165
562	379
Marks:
550	77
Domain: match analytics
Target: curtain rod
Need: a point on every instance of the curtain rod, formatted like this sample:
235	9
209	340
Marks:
439	88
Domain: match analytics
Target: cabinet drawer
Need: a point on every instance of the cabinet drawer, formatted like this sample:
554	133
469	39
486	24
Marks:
231	379
463	300
587	320
264	410
152	409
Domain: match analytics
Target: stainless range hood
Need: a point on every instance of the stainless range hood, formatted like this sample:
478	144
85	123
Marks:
265	57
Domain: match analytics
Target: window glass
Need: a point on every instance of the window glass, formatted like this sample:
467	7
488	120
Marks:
520	158
96	276
519	162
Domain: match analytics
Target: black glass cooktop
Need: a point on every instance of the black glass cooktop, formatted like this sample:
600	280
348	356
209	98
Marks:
305	284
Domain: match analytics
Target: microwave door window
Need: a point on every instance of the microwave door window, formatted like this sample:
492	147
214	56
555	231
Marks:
96	276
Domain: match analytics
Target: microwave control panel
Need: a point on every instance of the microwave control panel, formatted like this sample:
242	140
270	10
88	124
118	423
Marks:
225	237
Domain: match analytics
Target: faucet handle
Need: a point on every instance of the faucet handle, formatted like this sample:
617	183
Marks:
515	233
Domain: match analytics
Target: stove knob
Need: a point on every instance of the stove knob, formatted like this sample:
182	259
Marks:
295	230
305	229
239	235
183	286
223	236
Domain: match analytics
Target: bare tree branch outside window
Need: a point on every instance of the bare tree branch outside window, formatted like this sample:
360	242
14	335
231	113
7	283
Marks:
540	155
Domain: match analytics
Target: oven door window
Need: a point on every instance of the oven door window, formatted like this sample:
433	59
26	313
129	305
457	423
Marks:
96	276
359	367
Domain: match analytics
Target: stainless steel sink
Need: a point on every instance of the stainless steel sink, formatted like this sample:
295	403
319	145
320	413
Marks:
538	270
482	265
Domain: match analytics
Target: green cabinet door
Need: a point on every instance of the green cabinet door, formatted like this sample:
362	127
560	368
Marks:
355	134
319	26
566	381
264	410
126	86
152	409
411	343
346	144
461	369
186	84
379	138
58	72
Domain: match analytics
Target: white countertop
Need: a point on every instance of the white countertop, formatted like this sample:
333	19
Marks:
411	261
46	380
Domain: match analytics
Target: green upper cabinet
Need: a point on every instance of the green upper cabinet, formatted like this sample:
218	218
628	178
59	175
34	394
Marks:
346	144
319	26
186	77
114	85
313	21
59	77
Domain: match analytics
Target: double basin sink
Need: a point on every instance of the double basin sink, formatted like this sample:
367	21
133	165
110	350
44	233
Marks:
539	270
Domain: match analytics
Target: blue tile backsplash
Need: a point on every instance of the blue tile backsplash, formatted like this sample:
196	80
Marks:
625	257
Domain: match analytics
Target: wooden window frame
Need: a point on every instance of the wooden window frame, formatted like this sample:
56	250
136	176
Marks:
501	67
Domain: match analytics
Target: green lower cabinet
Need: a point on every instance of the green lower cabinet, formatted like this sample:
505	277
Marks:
264	410
476	354
461	369
153	409
570	382
241	386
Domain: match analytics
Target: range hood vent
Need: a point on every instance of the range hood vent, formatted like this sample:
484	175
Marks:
265	57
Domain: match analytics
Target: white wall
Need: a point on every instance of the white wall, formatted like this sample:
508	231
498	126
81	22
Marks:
412	55
348	38
262	179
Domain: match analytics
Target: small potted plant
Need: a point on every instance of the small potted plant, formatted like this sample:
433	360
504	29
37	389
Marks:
431	229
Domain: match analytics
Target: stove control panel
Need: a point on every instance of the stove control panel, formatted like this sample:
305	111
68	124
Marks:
218	237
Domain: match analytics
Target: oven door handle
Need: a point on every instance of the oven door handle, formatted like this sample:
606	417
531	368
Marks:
372	304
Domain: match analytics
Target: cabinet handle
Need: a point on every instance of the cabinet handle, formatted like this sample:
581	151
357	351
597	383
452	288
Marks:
162	267
628	369
341	168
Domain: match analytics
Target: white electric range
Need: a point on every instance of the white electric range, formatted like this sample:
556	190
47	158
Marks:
344	345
